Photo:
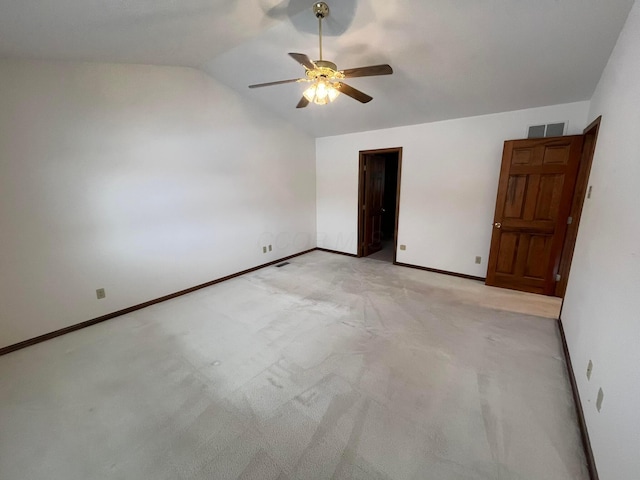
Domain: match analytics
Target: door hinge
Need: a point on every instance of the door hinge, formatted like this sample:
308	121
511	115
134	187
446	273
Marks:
558	277
569	220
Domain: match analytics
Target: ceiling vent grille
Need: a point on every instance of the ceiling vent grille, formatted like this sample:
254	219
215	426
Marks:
550	130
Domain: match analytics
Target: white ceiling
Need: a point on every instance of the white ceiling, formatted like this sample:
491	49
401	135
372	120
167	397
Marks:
451	58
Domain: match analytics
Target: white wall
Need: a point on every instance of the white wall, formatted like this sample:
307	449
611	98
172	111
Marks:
142	180
449	182
601	313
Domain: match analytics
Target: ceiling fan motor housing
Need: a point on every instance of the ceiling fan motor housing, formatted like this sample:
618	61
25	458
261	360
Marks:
326	64
325	69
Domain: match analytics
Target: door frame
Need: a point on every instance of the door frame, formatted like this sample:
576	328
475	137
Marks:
361	199
579	196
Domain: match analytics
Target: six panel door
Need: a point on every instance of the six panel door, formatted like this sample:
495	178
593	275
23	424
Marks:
535	191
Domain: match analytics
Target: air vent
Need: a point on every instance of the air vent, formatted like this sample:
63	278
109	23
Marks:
549	130
282	264
537	131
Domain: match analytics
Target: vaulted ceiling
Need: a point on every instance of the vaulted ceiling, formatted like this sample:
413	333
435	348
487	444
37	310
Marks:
451	58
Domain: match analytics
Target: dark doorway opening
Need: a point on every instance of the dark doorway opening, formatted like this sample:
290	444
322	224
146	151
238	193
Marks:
379	203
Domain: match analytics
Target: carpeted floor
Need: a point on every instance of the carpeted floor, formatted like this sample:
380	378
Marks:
328	368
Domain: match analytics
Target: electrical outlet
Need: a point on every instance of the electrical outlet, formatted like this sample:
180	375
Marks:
264	249
403	247
100	293
478	260
599	400
589	369
270	248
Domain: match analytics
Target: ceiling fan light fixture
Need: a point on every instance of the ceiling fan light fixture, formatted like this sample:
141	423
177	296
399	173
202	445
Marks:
324	77
321	92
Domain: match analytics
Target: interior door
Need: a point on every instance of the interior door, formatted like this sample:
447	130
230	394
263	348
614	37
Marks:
374	169
535	193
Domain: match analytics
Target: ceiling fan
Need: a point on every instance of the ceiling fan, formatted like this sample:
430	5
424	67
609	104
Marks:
324	76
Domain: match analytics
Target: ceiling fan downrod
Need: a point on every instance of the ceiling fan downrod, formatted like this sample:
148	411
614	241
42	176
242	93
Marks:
321	11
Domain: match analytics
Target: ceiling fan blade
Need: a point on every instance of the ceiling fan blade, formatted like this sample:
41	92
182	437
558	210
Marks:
303	60
302	103
371	71
353	93
280	82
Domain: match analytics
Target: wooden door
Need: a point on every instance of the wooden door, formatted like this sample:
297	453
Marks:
535	193
373	204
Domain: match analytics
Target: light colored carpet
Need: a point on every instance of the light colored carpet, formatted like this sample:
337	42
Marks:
329	368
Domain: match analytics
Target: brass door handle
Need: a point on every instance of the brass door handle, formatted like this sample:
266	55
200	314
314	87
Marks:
497	225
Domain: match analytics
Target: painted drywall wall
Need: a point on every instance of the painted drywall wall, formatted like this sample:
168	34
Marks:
448	189
141	180
601	313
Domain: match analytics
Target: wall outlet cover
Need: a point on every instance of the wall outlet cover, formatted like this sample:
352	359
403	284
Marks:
100	293
478	260
589	369
403	247
264	249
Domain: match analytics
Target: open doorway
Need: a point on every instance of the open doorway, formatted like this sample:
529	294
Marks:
379	203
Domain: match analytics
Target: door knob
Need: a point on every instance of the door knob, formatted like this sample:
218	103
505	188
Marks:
497	225
383	210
